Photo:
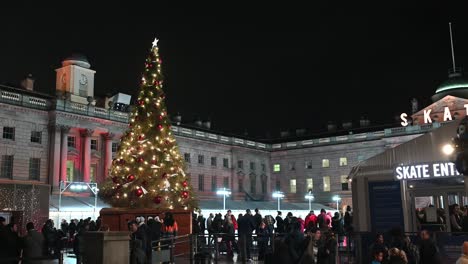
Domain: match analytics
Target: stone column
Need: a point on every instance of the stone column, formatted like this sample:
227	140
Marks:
108	153
54	155
64	152
86	134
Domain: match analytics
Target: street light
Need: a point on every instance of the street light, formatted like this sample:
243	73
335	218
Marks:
278	195
224	192
78	187
337	199
448	149
310	197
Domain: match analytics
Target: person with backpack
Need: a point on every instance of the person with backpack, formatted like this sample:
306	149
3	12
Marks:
322	221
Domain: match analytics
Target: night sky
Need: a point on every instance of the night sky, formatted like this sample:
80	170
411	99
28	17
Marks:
248	68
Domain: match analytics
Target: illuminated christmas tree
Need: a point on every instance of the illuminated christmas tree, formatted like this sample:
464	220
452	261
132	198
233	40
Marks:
148	171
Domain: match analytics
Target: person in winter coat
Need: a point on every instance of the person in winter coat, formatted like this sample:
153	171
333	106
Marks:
463	259
428	251
397	256
279	224
263	235
137	253
314	248
12	240
33	244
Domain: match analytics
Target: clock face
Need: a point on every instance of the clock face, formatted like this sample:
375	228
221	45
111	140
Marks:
83	80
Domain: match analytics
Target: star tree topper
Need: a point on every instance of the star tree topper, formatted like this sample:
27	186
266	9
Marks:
155	42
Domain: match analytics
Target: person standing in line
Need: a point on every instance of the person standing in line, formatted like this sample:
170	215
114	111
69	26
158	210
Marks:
246	227
209	227
33	244
279	223
428	251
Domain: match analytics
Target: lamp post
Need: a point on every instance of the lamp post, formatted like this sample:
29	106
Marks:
337	199
310	197
278	195
224	192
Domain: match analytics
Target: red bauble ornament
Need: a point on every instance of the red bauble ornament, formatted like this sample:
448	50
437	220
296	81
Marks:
131	177
139	192
157	199
163	96
167	142
140	159
141	102
121	161
185	194
185	183
141	137
154	162
164	175
160	117
160	127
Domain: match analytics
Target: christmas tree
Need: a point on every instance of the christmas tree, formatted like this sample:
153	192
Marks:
148	171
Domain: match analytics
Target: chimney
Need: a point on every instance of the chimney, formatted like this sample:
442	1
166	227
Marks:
28	83
331	126
178	119
300	132
347	125
284	134
364	122
207	124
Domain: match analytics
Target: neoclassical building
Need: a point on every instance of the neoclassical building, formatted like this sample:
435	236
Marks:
69	136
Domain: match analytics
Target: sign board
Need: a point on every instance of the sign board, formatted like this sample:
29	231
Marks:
385	205
424	171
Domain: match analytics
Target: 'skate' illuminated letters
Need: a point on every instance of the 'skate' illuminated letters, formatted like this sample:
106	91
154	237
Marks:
427	117
435	170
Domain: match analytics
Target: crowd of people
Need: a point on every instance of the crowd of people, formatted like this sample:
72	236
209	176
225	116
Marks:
295	239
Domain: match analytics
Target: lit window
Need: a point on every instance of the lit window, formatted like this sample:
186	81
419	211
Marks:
70	170
292	165
6	170
36	137
343	161
213	161
94	144
325	163
292	186
326	183
276	167
201	182
71	142
344	183
9	133
187	157
34	169
308	164
201	159
310	184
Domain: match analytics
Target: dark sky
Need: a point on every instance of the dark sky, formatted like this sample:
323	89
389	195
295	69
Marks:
248	68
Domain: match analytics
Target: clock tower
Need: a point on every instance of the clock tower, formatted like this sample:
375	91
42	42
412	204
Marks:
76	78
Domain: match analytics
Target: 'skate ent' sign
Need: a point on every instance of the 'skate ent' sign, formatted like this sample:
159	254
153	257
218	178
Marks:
436	170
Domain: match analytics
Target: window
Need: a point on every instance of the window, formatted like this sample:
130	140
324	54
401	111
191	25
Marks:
308	164
201	182
214	161
292	186
240	164
326	183
201	159
344	183
253	184
94	144
9	133
71	141
115	147
187	157
241	185
276	167
343	161
226	182
264	187
36	137
226	163
70	170
310	184
7	167
252	165
263	167
278	185
34	169
292	165
325	163
213	184
92	173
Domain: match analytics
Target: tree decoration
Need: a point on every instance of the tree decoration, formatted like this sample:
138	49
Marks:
148	153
